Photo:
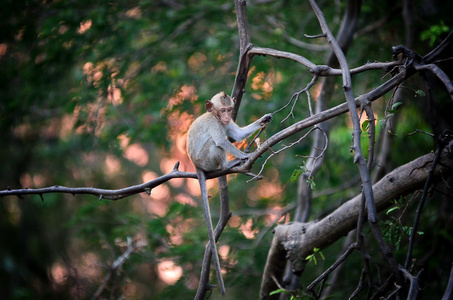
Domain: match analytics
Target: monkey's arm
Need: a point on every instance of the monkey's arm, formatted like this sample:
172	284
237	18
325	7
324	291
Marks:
239	133
219	133
230	148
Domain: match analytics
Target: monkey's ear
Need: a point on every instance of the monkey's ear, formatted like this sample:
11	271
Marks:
208	106
234	100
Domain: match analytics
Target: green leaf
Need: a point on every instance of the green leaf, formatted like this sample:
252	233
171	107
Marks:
420	93
382	122
396	105
311	182
312	257
296	174
278	292
365	125
392	209
394	109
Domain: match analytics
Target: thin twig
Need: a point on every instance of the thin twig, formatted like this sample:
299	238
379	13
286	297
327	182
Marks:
280	150
335	265
116	265
422	202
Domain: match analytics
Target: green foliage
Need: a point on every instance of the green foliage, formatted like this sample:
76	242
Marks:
312	257
389	113
393	230
290	294
282	291
433	33
302	170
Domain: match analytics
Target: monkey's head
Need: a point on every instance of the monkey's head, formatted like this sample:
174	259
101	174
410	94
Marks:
221	106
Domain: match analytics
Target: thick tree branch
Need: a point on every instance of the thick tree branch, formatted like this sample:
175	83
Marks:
244	60
297	240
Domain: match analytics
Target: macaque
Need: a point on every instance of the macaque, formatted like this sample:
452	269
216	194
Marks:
208	145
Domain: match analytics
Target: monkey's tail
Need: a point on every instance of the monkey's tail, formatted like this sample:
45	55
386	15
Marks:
207	214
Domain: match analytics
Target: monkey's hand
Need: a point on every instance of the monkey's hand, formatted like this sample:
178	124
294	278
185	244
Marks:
266	119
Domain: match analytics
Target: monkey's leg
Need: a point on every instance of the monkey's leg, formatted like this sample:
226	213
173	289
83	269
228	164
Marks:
207	213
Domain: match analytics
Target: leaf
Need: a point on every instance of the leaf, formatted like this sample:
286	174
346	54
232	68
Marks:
303	167
278	292
365	125
382	122
312	257
312	183
396	105
392	209
296	174
420	93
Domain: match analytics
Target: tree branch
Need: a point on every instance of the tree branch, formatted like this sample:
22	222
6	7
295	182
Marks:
118	193
359	159
296	241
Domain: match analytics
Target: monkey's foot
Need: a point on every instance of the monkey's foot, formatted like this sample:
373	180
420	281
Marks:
234	163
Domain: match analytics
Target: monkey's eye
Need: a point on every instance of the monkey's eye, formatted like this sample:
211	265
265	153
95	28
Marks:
226	110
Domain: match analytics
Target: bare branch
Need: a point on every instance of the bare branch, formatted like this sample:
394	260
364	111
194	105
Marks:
358	158
444	140
118	193
443	77
244	60
104	193
285	147
312	47
435	53
321	70
315	119
413	286
296	97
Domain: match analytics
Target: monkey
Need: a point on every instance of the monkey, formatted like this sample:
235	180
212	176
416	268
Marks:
207	147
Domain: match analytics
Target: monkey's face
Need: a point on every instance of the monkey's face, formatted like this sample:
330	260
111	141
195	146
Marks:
224	114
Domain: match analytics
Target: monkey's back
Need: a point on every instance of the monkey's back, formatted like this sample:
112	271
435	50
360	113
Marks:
201	148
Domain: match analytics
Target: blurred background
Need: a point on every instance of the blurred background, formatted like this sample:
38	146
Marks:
101	93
